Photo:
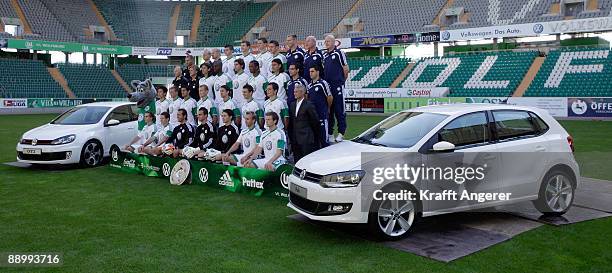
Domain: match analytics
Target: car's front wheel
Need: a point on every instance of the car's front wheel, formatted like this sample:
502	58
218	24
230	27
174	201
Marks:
91	154
393	219
556	193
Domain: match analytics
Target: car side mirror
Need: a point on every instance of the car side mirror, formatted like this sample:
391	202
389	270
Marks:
443	147
112	122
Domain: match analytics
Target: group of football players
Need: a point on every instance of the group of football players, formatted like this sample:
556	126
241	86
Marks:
223	111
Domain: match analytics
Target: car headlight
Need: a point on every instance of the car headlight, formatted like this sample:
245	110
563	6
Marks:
63	140
343	179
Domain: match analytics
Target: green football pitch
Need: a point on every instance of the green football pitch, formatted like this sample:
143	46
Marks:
106	220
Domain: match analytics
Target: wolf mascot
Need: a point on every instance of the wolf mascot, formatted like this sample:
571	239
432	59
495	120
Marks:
144	96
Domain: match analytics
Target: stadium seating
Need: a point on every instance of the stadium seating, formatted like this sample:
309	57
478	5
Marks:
477	75
374	73
185	18
131	72
5	35
395	13
21	78
6	10
138	23
44	23
574	73
77	16
499	12
315	17
91	81
215	16
241	23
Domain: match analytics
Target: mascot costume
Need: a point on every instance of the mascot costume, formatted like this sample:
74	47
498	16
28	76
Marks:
144	95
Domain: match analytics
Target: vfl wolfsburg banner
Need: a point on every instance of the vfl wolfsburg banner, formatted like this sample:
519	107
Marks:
231	178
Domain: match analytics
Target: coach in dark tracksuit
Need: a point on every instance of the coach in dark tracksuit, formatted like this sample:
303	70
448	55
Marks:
335	72
304	129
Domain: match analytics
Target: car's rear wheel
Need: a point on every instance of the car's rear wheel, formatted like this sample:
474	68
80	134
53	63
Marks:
393	219
91	154
556	193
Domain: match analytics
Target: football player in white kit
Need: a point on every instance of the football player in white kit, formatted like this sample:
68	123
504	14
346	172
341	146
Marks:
228	103
279	77
259	83
247	56
161	105
208	103
147	132
154	145
272	142
189	104
247	140
240	79
175	105
276	105
264	57
250	105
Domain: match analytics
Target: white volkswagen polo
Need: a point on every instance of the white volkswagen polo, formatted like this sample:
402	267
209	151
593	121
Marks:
531	156
83	134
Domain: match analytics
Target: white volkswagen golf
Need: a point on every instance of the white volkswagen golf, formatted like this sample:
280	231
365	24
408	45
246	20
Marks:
83	134
529	157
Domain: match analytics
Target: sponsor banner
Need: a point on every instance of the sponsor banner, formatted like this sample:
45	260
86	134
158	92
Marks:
529	29
149	51
394	105
68	47
373	41
231	178
413	38
13	103
589	107
396	92
555	106
340	43
58	103
365	105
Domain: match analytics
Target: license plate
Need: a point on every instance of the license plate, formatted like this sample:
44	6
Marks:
29	151
298	190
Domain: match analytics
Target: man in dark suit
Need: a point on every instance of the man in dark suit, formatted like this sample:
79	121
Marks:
304	128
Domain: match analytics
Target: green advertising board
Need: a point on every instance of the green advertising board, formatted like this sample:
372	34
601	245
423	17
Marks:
68	47
394	105
231	178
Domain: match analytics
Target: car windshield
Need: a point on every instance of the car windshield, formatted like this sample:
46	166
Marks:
402	130
81	115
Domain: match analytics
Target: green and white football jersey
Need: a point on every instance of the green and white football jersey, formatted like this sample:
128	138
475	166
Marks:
281	79
141	111
280	108
259	83
229	104
271	141
173	109
251	106
147	132
248	138
240	80
190	106
221	80
161	133
209	105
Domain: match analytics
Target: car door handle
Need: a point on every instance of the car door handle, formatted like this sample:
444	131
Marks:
540	149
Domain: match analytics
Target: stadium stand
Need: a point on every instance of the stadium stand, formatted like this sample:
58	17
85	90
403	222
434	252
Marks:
477	75
131	72
215	16
91	81
370	13
38	84
315	16
185	16
374	73
574	72
498	12
6	10
138	23
236	28
44	23
78	15
5	35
